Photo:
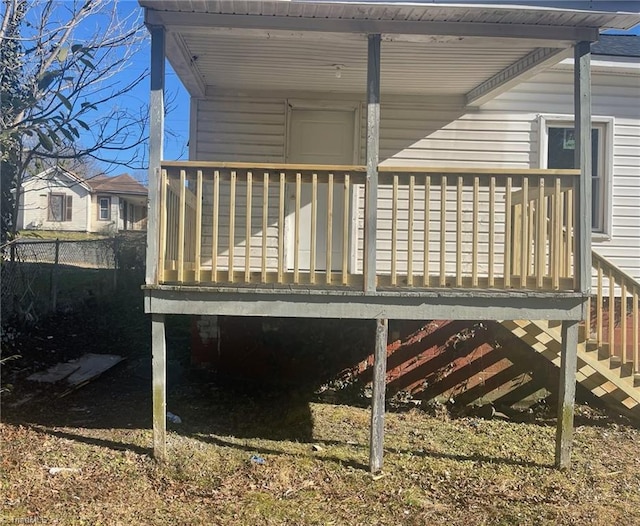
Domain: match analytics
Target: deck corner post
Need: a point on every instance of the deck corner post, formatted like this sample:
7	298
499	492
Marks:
376	446
159	379
156	141
583	212
566	394
372	155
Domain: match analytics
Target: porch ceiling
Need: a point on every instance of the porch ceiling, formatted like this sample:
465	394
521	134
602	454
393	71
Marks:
226	60
428	49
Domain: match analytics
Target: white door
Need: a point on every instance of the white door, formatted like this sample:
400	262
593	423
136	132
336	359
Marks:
319	137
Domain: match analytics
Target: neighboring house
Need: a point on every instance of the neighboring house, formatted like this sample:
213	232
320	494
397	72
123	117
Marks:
392	160
57	199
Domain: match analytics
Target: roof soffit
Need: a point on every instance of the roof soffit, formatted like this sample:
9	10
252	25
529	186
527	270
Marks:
507	43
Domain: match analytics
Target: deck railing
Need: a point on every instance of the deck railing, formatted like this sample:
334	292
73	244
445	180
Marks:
240	223
614	319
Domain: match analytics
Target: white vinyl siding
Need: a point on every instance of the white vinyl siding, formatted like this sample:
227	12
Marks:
240	130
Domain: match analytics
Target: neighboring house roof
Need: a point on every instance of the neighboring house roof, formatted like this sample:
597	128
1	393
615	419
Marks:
617	46
120	184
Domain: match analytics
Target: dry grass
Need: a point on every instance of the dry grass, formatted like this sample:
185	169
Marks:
437	471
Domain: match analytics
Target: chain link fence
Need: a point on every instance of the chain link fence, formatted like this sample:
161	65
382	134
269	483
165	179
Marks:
38	277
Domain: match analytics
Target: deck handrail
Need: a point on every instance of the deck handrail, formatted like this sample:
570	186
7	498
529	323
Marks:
304	224
605	329
361	168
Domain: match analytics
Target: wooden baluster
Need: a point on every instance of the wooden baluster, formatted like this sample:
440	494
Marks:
247	236
232	223
162	245
282	198
427	221
181	225
612	313
394	232
314	228
198	227
569	252
541	236
587	321
459	233
171	223
216	215
599	313
492	230
474	232
524	234
517	239
296	231
412	184
345	231
508	227
443	230
556	225
329	226
635	333
623	321
265	225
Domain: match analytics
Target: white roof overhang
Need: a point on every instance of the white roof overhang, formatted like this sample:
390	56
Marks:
473	51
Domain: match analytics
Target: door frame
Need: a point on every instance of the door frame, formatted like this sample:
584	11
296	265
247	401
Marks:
354	106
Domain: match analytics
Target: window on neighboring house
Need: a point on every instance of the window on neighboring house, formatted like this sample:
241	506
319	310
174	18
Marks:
559	153
60	207
104	208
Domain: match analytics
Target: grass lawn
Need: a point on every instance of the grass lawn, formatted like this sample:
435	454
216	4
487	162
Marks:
438	470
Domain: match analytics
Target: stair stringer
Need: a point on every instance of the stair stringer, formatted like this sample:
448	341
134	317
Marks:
601	377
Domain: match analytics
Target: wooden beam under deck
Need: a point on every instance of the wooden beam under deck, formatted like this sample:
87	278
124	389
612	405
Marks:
304	302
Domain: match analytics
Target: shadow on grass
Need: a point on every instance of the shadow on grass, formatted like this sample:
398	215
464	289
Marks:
217	441
92	441
359	465
210	413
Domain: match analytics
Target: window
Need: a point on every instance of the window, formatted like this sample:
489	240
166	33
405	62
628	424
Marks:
558	149
60	207
104	208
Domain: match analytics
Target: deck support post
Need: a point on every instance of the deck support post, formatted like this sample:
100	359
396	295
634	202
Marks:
156	140
373	147
159	378
378	399
582	108
566	393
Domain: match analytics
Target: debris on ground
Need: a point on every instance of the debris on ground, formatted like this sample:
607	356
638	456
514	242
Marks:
78	372
174	419
257	459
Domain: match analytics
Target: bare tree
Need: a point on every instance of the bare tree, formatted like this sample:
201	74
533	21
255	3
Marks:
63	74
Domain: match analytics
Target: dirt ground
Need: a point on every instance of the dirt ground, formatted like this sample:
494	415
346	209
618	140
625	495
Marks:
244	456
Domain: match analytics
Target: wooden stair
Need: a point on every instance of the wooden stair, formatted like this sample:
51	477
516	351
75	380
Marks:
609	340
605	377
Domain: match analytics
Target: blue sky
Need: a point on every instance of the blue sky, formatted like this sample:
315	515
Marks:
177	121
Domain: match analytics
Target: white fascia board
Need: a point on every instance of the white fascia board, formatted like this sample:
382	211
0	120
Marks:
185	21
630	65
